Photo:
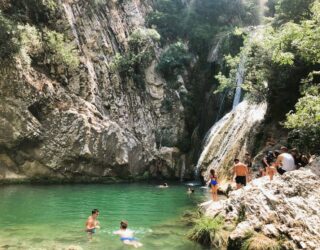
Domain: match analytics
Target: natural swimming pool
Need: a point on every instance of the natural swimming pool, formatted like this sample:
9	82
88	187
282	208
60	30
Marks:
53	217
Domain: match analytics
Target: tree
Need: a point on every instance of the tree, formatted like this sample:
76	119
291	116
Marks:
292	10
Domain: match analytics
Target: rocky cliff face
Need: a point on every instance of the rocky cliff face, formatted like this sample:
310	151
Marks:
285	209
89	122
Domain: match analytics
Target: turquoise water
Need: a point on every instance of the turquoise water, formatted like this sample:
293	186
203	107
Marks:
53	217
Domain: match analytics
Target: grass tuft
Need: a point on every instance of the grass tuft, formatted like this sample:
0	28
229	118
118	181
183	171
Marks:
259	241
209	231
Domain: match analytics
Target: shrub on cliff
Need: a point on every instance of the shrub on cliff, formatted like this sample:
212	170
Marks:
31	43
37	12
59	51
9	38
174	60
143	39
138	56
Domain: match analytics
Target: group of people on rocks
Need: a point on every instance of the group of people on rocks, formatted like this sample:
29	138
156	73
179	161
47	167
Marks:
126	235
278	161
282	161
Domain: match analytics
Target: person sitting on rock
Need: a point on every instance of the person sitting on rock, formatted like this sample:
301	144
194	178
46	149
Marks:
304	160
285	161
271	171
267	160
296	156
240	171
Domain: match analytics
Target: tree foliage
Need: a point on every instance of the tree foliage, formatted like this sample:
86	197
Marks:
278	59
200	21
138	56
28	31
58	51
174	60
305	121
37	12
9	38
292	10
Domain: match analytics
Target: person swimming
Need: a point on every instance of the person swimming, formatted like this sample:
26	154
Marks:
165	185
126	235
190	190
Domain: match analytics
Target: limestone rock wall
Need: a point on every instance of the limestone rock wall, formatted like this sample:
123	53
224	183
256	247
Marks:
89	122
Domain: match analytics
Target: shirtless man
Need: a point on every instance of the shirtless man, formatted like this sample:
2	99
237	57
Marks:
92	223
240	172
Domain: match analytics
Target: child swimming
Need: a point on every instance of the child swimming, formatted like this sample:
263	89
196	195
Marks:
126	235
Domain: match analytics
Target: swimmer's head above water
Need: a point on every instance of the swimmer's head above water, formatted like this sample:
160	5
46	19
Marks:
95	212
123	224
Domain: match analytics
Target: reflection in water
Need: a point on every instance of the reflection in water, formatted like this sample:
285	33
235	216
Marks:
53	217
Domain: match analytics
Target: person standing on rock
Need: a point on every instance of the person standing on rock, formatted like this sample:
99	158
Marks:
240	171
285	162
214	185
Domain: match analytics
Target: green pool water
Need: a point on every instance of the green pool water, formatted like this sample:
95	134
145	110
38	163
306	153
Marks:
53	217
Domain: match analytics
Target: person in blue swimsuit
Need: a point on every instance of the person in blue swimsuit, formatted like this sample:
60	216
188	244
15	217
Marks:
214	185
126	235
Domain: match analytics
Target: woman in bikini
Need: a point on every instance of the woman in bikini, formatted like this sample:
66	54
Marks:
214	185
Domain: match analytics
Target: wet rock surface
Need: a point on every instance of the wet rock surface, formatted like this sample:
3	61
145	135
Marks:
231	137
286	209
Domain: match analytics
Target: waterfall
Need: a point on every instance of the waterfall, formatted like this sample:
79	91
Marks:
229	136
239	81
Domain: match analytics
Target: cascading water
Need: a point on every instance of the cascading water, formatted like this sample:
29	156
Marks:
229	137
239	80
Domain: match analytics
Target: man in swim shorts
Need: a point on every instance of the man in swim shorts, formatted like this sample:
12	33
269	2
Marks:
92	223
126	235
240	171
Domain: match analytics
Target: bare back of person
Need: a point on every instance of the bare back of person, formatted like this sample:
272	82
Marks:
241	169
241	173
